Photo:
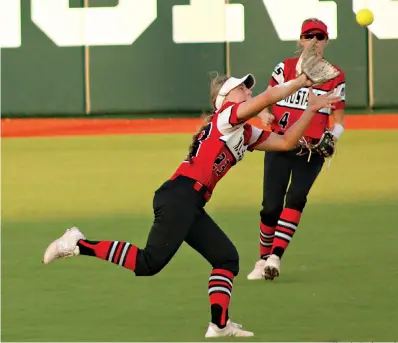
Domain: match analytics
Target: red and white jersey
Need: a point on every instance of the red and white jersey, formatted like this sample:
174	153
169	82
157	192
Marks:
220	145
289	110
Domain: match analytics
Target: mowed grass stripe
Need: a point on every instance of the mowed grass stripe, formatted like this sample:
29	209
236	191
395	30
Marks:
338	278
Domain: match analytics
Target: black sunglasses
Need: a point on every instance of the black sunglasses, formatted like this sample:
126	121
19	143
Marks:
319	36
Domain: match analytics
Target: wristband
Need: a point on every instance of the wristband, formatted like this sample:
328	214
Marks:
338	130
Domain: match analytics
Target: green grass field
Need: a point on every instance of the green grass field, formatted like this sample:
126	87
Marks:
339	277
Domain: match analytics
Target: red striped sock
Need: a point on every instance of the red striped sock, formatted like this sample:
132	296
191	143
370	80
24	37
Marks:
266	240
287	225
220	290
121	253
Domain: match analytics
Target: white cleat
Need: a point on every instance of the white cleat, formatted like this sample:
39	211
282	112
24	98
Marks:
258	271
65	246
272	267
231	330
239	326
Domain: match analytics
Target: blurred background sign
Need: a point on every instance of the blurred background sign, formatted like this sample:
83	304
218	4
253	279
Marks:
146	56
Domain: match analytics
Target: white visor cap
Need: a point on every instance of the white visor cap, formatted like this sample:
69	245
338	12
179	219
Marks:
232	83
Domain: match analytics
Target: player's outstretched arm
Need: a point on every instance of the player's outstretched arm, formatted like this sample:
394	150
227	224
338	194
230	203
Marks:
254	106
289	140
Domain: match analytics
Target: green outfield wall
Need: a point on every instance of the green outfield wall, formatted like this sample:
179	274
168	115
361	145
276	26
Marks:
85	57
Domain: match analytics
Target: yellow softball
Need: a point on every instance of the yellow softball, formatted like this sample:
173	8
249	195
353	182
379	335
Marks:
365	17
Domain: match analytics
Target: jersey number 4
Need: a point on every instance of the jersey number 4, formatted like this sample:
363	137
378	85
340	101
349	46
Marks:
284	121
203	135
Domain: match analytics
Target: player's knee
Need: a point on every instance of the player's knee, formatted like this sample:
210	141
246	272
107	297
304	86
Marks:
270	213
146	266
148	270
229	261
155	269
296	200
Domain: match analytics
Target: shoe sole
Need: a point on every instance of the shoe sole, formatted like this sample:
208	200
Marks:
270	273
255	278
223	336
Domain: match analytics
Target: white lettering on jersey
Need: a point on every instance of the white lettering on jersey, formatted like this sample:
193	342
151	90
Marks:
235	142
299	100
233	135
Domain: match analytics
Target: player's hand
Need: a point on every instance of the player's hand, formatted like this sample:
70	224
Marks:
305	81
315	103
308	82
266	117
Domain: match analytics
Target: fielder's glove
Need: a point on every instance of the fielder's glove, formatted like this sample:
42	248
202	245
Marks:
317	69
326	145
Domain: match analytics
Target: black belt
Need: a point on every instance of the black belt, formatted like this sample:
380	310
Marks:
196	185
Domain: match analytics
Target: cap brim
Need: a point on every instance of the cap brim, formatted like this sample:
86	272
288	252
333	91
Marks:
313	26
248	80
233	82
315	31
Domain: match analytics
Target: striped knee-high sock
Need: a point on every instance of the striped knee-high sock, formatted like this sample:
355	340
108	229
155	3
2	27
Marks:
267	234
220	290
122	253
287	225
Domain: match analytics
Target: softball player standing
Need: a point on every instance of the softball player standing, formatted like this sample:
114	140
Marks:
284	202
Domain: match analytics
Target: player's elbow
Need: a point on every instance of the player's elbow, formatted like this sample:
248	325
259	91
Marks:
288	144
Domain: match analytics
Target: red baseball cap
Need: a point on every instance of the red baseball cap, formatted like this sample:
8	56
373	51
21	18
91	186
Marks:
314	25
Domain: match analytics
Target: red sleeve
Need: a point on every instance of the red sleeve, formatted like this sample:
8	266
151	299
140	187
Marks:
258	136
340	90
228	115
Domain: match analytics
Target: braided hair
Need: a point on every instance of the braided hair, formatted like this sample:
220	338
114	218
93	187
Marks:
215	86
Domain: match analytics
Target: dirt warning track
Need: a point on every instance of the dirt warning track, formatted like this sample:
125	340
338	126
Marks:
85	127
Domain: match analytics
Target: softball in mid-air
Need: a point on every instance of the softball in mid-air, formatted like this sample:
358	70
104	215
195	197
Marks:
364	17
